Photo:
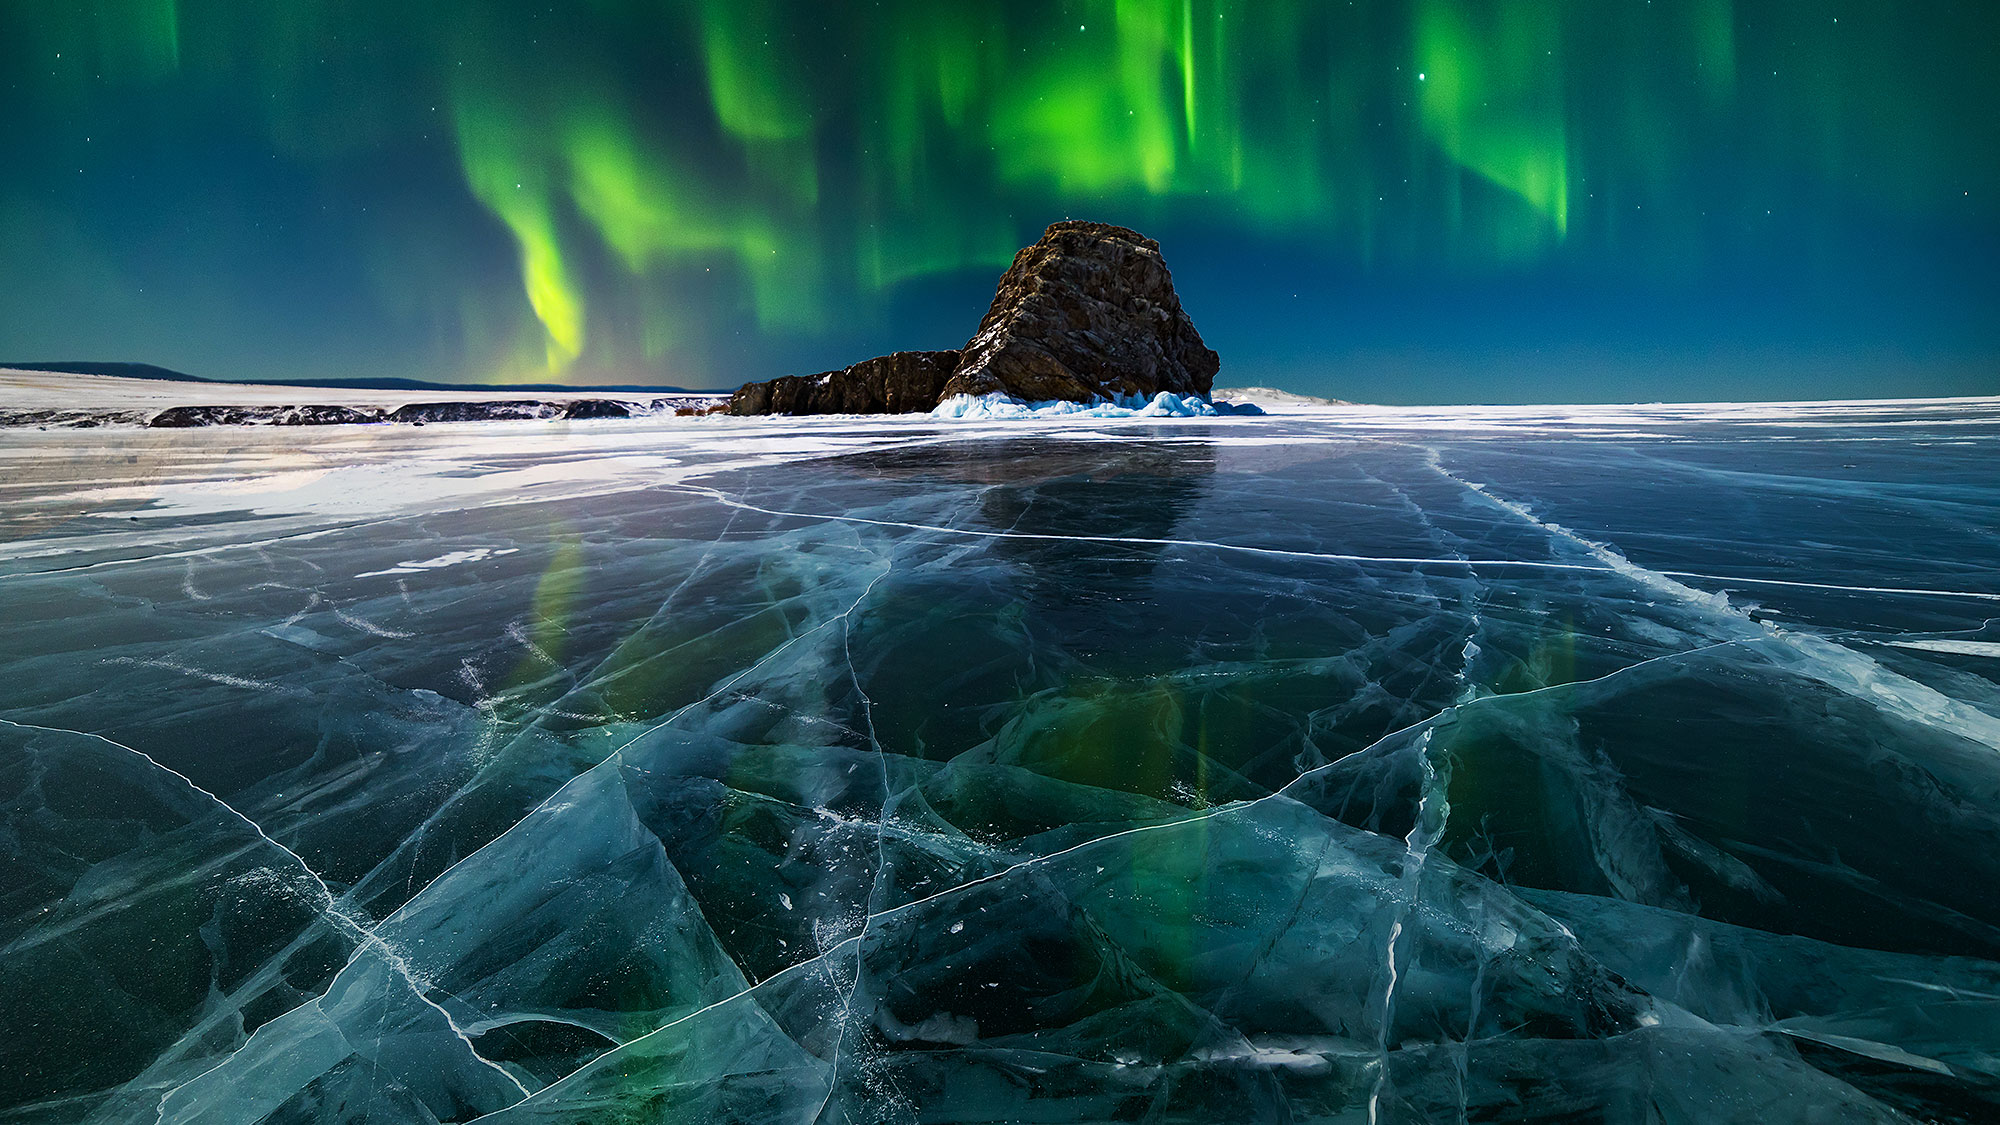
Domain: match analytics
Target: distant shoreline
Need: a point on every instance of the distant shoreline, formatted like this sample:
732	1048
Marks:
70	400
155	373
41	399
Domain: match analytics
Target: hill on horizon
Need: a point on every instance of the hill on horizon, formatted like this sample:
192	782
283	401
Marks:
127	370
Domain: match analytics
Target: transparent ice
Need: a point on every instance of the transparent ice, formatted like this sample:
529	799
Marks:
1598	765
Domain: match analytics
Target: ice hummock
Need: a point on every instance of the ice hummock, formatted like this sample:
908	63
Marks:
997	405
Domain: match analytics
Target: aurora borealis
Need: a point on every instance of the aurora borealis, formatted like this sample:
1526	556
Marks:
1390	201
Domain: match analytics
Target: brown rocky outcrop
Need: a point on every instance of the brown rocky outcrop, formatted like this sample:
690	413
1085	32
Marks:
890	384
1087	312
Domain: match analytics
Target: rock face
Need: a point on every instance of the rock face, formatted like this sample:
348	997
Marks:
73	419
890	384
1087	312
473	411
185	417
597	408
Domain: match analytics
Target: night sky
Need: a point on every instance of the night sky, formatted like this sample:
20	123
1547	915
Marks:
1393	201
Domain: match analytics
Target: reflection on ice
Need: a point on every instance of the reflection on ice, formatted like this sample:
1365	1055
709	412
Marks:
1311	767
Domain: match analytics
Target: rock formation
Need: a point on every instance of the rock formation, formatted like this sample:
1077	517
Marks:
186	417
1087	312
473	411
597	408
892	384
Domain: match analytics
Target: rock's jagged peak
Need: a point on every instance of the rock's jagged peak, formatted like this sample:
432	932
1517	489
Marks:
1094	230
1087	312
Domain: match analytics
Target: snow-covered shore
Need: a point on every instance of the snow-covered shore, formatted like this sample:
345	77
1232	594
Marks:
47	398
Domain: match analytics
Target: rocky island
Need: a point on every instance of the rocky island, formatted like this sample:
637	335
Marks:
1087	313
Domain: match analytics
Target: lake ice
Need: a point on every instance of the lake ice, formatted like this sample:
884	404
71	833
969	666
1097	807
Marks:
1621	764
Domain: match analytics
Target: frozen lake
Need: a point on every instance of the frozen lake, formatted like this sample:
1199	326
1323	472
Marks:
1622	764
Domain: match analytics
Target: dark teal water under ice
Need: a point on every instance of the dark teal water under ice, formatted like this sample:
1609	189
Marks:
1626	766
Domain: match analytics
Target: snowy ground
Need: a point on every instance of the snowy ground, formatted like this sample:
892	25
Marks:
1272	396
1623	764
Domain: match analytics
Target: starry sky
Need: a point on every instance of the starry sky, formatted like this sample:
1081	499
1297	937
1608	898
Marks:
1378	200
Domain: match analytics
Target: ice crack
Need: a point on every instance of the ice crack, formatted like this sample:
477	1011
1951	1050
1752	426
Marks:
1325	556
328	906
1836	666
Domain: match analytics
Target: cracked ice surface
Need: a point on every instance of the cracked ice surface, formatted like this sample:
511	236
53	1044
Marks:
1634	764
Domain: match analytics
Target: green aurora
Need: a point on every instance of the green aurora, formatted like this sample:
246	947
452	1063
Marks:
1687	197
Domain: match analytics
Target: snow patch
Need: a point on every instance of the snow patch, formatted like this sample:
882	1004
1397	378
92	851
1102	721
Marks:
1956	648
450	558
